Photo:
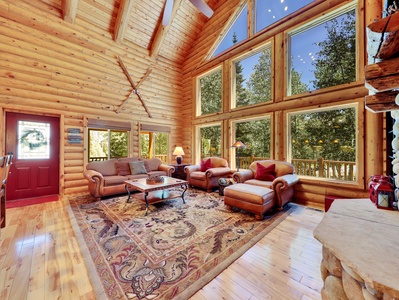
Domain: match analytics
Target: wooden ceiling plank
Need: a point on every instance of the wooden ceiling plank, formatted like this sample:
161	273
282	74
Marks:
162	32
69	10
122	19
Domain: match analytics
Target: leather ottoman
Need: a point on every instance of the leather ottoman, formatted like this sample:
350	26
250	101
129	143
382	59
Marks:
255	199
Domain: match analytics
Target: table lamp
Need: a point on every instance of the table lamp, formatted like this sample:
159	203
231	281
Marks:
238	145
179	152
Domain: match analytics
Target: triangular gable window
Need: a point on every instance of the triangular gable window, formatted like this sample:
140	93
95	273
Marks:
237	33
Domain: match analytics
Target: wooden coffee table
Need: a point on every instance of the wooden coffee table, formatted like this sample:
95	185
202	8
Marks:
159	191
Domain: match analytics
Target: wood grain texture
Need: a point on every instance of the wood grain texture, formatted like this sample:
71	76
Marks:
41	259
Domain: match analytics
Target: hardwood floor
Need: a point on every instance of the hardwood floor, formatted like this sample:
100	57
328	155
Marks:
40	259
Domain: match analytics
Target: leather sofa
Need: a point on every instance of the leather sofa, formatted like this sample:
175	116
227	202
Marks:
107	178
209	179
283	184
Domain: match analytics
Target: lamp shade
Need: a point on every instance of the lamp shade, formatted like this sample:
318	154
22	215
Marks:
178	151
239	145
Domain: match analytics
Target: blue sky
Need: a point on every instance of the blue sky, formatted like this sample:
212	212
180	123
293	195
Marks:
303	45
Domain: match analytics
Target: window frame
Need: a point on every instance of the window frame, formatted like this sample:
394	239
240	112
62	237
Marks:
358	104
232	124
316	21
198	97
198	139
242	56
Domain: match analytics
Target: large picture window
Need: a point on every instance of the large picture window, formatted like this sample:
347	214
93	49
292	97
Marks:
256	136
210	140
210	93
323	143
323	55
105	144
252	79
154	144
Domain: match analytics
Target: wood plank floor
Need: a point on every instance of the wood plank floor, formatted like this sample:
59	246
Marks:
40	259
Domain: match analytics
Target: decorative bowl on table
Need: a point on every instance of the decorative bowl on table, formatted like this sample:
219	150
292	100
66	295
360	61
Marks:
155	179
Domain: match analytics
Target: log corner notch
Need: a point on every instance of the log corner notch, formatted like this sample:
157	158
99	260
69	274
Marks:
382	78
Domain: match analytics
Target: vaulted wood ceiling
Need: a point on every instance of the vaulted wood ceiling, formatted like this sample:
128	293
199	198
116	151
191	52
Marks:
140	22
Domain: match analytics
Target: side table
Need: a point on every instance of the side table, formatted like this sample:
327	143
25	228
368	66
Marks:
179	171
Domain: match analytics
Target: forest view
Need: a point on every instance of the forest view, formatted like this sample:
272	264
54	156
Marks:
328	133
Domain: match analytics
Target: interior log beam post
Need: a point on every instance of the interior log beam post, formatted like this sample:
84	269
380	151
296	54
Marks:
373	135
162	31
122	18
69	10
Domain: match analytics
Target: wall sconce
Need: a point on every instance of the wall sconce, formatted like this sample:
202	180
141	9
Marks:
179	152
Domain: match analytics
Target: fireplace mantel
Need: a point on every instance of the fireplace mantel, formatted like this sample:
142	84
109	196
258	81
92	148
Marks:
360	250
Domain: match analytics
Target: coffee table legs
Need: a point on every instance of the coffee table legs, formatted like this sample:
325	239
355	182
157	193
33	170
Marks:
128	193
146	202
185	189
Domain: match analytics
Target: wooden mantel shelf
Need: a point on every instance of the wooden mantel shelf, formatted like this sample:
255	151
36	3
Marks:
365	239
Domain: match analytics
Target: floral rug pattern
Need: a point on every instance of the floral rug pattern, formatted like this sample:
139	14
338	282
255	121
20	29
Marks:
170	253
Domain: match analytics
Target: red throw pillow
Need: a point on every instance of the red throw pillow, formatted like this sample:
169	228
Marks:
265	173
122	168
206	164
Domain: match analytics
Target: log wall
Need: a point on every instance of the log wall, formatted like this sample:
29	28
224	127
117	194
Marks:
370	146
71	71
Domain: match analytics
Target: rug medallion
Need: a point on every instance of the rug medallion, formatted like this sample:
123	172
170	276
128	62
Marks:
170	253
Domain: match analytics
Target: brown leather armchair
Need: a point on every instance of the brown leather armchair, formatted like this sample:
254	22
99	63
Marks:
283	184
208	180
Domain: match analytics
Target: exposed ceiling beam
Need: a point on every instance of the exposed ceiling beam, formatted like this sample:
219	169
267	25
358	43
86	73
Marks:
162	31
122	19
69	10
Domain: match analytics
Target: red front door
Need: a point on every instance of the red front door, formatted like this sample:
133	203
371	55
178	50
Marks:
35	142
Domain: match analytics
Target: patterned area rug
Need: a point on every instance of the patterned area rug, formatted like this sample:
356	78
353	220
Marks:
170	253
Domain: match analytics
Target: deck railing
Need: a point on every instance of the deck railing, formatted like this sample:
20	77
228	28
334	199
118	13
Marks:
343	170
102	158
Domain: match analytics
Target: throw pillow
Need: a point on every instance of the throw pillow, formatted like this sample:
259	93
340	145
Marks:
206	164
265	173
122	168
137	167
147	166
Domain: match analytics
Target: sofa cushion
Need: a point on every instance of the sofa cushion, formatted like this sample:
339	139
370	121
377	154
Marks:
206	164
265	173
106	168
114	180
147	166
122	168
137	167
137	176
256	182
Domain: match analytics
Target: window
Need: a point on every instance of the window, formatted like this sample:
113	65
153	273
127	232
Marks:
256	135
105	144
252	81
33	140
210	138
323	55
237	33
269	12
154	141
323	142
210	93
154	144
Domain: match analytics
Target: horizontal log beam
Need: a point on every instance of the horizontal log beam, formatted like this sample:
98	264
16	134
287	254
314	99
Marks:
381	102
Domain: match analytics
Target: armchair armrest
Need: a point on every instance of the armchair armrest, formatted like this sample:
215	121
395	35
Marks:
243	175
284	182
169	170
192	168
220	171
